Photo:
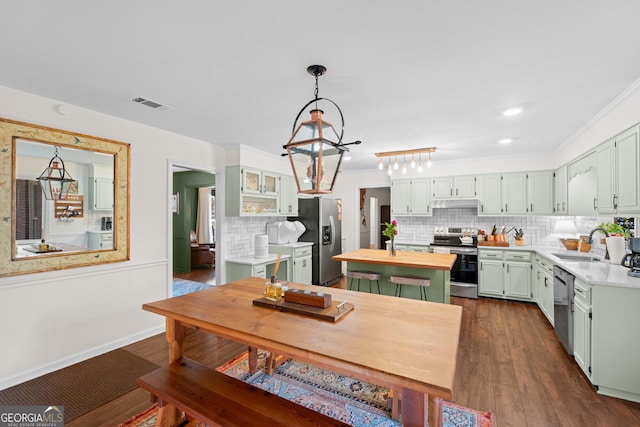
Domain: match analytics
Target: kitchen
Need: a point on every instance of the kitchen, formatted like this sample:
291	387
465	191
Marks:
154	144
540	237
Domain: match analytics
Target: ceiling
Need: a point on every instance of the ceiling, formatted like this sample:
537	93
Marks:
406	74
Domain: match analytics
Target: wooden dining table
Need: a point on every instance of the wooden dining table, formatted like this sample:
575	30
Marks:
406	345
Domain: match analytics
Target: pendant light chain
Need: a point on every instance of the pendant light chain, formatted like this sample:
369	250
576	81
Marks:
316	91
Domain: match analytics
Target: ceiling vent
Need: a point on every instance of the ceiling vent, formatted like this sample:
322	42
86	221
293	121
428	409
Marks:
151	104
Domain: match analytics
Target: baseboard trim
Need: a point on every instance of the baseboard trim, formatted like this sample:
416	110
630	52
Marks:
78	357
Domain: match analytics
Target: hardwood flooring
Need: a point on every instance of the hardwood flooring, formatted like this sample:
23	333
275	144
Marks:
509	362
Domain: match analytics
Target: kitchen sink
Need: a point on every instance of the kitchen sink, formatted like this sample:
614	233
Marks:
571	257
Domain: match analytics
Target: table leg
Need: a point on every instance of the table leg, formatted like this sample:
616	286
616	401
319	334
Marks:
435	419
414	409
175	334
169	415
396	398
253	360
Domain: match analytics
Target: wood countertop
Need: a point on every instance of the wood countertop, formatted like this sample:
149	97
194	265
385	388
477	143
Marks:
402	258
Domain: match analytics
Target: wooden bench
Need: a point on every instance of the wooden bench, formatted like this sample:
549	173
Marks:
216	399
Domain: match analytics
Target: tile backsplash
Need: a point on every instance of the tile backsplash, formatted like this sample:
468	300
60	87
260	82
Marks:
538	230
240	231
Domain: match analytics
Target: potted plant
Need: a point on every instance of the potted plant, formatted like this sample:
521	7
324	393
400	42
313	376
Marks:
615	229
391	231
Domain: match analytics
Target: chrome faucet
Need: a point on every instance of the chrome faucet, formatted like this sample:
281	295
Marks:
606	234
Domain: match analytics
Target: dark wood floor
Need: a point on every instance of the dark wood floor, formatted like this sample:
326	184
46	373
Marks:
509	362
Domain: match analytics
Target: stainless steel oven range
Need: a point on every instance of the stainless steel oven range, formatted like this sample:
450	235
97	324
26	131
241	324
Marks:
463	242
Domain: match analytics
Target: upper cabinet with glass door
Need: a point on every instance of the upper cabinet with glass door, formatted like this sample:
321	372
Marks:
259	182
252	192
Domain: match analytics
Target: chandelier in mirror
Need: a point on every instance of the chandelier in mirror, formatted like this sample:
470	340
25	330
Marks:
55	180
315	149
403	155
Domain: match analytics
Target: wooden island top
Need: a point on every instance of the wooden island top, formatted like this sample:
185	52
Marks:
401	259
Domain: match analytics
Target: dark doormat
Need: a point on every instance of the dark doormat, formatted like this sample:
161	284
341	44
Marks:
82	387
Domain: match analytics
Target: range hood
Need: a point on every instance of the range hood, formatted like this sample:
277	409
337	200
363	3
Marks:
454	203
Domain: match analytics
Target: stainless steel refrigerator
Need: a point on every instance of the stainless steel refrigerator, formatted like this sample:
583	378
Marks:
321	218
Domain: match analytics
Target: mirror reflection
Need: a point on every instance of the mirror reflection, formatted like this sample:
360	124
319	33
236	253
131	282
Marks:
79	216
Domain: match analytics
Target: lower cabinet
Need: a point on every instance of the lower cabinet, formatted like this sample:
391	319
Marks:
504	274
582	326
243	267
409	248
615	343
100	240
300	270
490	281
543	286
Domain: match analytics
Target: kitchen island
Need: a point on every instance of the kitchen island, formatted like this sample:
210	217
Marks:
436	267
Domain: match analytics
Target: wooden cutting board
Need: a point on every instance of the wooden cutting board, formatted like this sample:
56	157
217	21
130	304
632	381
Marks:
499	244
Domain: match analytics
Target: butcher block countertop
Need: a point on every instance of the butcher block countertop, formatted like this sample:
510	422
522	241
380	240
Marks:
402	259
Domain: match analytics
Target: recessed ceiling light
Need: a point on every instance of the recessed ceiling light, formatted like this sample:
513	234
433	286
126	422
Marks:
512	111
505	141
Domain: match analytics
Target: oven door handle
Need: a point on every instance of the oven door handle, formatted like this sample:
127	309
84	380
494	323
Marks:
464	251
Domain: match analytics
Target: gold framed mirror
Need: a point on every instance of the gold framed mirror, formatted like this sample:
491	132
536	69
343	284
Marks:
86	223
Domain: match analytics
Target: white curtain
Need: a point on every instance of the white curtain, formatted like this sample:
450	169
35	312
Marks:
203	217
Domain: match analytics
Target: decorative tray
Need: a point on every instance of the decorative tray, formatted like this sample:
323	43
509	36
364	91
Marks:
331	313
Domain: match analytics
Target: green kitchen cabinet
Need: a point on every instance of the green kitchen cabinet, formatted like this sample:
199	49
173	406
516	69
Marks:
560	191
251	192
400	197
490	279
618	171
243	267
503	194
451	187
490	273
582	183
514	193
615	360
101	194
517	283
542	283
288	196
540	192
409	247
300	267
505	274
411	197
605	177
490	194
582	326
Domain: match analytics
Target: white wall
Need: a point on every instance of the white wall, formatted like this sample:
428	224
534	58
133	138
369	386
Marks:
52	319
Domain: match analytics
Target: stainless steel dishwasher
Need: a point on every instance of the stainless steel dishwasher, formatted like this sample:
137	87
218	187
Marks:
563	307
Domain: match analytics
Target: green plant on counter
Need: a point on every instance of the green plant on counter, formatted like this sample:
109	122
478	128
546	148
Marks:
613	228
391	229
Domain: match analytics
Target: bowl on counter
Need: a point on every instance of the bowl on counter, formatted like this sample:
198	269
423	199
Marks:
570	244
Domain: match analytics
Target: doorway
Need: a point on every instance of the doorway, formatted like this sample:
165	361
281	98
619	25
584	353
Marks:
193	196
374	211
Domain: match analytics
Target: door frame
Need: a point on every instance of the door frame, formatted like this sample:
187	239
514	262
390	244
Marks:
171	164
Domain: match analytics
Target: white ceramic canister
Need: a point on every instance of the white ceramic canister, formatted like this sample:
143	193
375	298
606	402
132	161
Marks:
615	246
261	246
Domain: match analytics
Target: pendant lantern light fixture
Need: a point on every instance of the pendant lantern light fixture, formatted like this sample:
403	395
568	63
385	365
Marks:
404	153
315	149
55	180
